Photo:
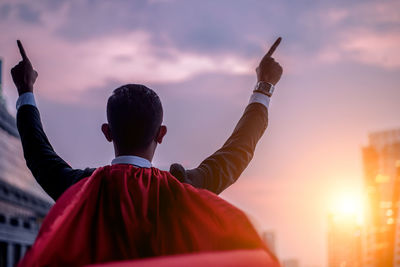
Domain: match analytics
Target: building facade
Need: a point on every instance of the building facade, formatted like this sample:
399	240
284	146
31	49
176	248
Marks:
344	241
23	204
381	159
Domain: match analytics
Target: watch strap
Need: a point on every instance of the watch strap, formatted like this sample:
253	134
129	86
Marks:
262	92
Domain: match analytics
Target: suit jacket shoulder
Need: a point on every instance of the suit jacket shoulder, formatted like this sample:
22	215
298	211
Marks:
224	167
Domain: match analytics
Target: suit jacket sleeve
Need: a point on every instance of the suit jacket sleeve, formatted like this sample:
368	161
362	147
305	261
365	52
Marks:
49	170
224	167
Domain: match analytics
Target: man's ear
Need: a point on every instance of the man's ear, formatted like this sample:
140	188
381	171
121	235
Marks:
105	128
161	133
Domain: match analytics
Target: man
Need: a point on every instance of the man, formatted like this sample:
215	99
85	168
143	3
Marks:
129	209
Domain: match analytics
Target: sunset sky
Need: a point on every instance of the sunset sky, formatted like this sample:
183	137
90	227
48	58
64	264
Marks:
341	81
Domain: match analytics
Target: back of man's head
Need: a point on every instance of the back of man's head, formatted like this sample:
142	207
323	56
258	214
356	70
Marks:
134	114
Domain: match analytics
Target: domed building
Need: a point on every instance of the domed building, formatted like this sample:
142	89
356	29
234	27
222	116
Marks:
23	204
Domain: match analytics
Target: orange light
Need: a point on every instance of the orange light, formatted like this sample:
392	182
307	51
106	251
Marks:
348	204
380	179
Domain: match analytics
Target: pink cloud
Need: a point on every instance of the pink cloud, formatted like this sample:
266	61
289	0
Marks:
379	11
126	58
364	46
68	68
366	33
373	47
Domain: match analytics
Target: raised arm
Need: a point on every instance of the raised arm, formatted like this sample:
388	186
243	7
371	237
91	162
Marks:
224	167
49	170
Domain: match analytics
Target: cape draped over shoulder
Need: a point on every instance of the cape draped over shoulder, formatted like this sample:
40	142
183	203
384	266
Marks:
122	212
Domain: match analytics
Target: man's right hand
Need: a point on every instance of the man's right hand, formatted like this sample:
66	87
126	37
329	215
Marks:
23	74
269	70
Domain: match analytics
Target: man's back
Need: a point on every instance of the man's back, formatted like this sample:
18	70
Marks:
123	212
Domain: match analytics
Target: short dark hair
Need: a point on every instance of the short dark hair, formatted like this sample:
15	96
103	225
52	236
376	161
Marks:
134	114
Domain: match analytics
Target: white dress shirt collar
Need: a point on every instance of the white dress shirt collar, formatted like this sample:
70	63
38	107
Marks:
133	160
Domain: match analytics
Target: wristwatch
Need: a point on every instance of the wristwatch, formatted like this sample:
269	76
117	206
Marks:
265	88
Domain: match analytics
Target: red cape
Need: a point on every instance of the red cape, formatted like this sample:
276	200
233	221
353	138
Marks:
122	212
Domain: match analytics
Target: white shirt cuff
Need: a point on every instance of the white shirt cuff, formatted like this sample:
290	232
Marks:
26	99
260	98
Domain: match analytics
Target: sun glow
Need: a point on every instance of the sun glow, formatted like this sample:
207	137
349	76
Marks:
348	204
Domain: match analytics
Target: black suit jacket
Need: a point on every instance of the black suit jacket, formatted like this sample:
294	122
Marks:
215	173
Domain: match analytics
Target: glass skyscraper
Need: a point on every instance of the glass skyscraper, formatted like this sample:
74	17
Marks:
381	160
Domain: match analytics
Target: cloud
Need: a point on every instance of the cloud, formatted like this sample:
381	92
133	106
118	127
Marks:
377	13
127	58
372	47
208	27
71	68
168	41
25	12
28	14
364	46
5	10
367	33
190	26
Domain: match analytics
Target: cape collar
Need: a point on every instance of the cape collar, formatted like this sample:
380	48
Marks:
133	160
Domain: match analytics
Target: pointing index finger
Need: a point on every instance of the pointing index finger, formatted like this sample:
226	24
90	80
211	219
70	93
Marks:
22	51
273	47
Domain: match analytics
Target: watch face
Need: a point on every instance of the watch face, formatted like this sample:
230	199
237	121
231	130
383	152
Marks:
266	87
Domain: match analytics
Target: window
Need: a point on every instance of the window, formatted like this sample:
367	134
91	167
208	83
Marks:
27	225
17	195
14	221
5	190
